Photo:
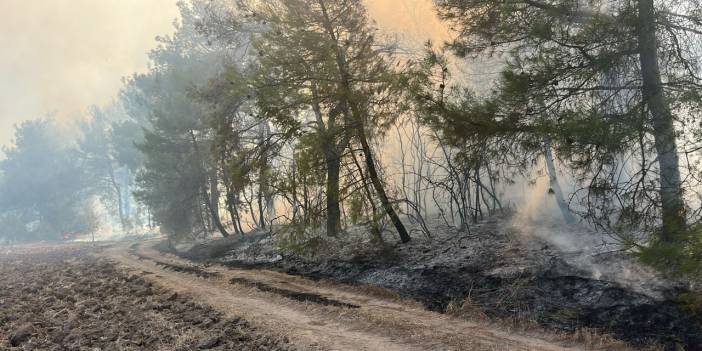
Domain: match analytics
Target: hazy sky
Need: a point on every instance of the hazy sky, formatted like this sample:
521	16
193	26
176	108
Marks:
61	56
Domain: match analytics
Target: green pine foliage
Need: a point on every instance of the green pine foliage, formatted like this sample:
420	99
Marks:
574	74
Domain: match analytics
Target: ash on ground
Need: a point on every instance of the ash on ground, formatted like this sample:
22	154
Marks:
564	277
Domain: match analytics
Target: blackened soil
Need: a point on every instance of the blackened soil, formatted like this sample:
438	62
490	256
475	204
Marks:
197	271
194	270
543	287
559	302
63	298
293	295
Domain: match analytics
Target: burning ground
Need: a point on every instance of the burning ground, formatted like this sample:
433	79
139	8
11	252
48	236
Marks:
501	270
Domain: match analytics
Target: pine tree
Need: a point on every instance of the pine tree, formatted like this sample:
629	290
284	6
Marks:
178	181
321	56
605	81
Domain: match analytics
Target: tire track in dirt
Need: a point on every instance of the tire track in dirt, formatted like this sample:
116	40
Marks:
377	323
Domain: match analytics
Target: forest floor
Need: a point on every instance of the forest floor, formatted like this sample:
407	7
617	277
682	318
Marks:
125	296
545	278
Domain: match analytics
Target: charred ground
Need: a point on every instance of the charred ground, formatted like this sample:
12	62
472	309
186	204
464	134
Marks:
492	269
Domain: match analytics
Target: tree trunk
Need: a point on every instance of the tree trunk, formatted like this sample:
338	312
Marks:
477	194
203	213
672	203
261	209
232	213
149	218
210	204
232	206
378	185
375	226
293	188
333	197
125	197
555	187
306	202
240	229
213	204
118	190
231	198
355	122
263	187
249	204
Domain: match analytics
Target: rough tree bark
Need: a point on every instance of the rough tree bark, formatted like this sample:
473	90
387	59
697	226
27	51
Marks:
380	189
375	226
264	198
477	209
214	204
231	201
672	203
212	207
355	121
555	187
333	194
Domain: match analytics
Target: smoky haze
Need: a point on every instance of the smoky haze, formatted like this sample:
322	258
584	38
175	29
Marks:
68	60
481	159
61	56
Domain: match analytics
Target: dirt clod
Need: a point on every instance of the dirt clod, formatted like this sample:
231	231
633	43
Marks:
21	335
209	343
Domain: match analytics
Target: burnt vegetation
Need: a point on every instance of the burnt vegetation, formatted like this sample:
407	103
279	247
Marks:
290	294
302	137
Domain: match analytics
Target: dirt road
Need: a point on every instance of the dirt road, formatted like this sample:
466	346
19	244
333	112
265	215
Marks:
314	315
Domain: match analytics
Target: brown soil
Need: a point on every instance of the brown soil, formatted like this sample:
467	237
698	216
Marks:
65	298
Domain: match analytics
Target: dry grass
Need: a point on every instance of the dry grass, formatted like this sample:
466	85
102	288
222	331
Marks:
522	324
585	338
413	331
370	290
395	325
594	340
467	310
185	340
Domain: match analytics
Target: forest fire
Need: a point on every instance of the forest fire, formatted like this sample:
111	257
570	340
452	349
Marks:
503	271
351	175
